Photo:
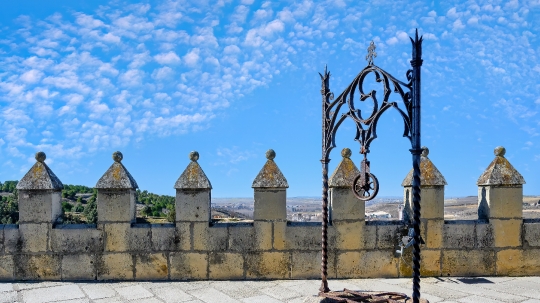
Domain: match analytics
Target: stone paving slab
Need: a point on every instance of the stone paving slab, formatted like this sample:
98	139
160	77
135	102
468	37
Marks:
444	290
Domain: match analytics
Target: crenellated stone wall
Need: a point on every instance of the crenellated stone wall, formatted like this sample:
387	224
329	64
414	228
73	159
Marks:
500	242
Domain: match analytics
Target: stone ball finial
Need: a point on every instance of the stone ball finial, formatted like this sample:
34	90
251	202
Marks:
425	151
194	156
270	154
40	156
117	156
346	153
499	151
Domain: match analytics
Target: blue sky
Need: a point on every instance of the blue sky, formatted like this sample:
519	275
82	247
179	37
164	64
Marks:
230	79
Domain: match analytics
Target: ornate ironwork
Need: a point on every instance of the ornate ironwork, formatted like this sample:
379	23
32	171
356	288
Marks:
365	185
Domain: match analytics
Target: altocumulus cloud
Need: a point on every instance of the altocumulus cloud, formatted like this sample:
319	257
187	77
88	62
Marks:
128	71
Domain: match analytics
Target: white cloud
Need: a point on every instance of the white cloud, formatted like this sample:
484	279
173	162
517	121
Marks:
32	76
167	58
162	73
192	58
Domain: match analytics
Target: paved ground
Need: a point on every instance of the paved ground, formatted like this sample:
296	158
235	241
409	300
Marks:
490	289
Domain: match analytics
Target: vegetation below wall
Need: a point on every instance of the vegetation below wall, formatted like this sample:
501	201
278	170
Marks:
79	205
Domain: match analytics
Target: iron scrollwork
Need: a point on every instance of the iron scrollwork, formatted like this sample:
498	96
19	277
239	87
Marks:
366	185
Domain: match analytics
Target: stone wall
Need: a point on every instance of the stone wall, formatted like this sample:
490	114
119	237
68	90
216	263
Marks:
500	242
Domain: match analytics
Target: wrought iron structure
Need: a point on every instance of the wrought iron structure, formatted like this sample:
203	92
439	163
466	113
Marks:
365	185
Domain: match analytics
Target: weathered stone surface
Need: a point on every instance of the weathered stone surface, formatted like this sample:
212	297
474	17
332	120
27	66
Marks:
192	205
76	240
163	237
387	236
345	206
206	238
34	237
12	239
270	175
39	206
225	266
121	237
506	233
193	177
370	236
116	206
270	204
40	177
432	202
151	266
468	263
301	237
187	265
429	174
115	266
500	202
459	235
37	267
344	174
500	172
6	267
117	177
242	238
307	265
268	265
434	233
532	234
78	267
367	264
182	236
430	264
348	235
515	262
484	235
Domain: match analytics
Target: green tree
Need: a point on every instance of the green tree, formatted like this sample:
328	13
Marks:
66	207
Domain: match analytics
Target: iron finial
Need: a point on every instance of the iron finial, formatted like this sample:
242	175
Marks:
371	53
40	156
194	156
346	153
499	151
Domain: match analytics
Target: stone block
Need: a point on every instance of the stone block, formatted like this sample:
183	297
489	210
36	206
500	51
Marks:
241	238
34	237
370	236
163	237
345	206
348	235
532	234
268	265
506	233
484	235
367	264
192	205
432	202
182	236
434	233
116	236
263	235
151	267
225	266
78	267
12	239
189	266
270	204
39	206
307	265
140	238
206	238
387	236
430	263
76	240
468	263
116	206
6	267
115	266
302	237
279	235
37	267
500	202
517	262
459	235
1	239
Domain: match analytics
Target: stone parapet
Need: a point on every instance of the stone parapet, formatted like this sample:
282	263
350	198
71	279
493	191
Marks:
196	248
